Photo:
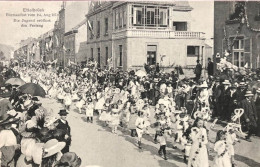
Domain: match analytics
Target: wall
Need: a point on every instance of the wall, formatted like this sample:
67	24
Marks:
104	40
174	49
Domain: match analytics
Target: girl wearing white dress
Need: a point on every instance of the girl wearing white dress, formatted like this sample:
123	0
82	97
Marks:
61	94
67	101
100	102
90	110
140	125
198	152
105	115
115	118
80	105
222	158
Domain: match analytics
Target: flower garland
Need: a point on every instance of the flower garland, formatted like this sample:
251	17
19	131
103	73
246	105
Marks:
247	22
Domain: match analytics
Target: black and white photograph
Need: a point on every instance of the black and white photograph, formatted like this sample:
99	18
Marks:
129	83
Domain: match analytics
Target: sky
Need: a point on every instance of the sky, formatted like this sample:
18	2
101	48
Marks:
12	32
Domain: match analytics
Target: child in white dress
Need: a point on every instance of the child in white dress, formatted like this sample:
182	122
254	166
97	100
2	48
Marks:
90	110
223	157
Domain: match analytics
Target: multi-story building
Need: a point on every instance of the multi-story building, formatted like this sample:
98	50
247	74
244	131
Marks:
72	41
70	26
24	52
134	33
237	32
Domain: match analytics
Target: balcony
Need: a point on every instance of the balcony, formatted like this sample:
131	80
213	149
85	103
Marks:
158	34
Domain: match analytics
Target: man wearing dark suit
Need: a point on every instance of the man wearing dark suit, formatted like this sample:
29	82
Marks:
63	125
198	70
249	118
210	67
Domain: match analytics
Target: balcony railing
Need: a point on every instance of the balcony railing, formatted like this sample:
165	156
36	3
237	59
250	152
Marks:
158	34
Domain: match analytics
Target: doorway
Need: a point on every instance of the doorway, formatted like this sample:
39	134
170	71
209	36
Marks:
151	54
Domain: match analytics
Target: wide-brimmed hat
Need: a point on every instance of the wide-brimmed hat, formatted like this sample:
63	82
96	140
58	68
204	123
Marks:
69	159
226	82
52	147
258	90
242	84
63	112
249	93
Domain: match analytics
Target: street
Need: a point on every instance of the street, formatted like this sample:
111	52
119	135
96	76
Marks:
97	146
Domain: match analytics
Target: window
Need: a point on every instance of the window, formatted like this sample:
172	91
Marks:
124	18
163	17
193	51
150	16
137	16
92	54
116	19
150	12
106	26
238	44
180	26
238	53
99	58
106	55
120	18
120	63
98	29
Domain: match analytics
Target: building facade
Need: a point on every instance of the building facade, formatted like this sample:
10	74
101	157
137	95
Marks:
72	41
237	32
134	33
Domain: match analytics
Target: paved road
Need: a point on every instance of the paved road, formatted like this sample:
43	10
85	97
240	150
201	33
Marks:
98	146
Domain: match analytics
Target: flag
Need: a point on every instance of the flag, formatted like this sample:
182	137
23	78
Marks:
90	28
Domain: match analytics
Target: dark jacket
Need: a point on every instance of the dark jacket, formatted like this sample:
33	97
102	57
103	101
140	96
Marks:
210	68
249	112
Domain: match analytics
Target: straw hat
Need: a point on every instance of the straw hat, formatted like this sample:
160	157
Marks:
226	82
249	93
52	147
258	90
242	84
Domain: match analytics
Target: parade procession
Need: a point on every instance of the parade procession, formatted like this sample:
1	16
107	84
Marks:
133	84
